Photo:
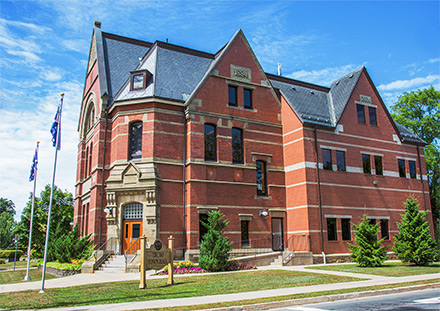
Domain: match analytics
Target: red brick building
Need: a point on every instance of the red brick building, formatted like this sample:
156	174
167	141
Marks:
168	134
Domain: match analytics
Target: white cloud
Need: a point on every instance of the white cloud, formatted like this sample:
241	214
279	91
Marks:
51	75
27	55
323	76
80	46
434	60
407	84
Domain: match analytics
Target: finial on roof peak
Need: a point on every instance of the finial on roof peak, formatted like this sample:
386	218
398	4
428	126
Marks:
97	24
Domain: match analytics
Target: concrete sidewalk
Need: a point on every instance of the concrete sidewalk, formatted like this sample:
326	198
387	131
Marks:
369	280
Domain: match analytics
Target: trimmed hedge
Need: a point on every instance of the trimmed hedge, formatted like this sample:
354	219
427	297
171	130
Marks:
11	253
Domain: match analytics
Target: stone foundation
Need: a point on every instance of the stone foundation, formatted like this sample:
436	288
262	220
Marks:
58	272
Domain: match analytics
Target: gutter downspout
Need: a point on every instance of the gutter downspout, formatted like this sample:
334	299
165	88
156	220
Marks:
421	177
184	187
319	195
103	173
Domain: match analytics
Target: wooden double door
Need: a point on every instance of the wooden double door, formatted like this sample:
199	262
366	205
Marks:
132	231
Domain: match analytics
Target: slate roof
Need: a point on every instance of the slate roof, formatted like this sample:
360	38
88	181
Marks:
177	71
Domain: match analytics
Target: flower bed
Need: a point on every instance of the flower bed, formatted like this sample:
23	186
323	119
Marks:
183	270
184	267
237	265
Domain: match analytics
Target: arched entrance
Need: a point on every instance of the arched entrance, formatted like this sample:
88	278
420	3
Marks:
132	224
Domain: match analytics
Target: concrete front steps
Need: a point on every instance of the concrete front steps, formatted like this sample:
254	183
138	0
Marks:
114	264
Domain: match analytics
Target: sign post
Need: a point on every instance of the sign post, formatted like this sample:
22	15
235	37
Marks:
171	261
16	238
143	257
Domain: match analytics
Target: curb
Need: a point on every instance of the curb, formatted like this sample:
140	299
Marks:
303	301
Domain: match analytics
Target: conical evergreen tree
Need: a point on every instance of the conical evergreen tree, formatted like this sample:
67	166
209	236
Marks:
414	243
215	247
368	252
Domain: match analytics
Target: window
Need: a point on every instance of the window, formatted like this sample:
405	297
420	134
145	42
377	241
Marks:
132	211
372	114
384	229
340	160
378	165
210	143
360	113
138	81
327	159
135	151
90	159
247	98
237	145
331	229
244	233
261	178
232	96
366	163
412	169
203	218
402	170
346	229
372	221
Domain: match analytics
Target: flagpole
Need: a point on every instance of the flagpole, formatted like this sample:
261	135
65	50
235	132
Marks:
27	277
58	136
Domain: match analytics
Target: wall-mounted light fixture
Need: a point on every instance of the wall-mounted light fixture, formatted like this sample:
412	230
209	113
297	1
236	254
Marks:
375	182
263	213
108	210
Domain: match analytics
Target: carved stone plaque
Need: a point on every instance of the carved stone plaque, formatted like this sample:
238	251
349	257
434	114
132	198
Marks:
157	256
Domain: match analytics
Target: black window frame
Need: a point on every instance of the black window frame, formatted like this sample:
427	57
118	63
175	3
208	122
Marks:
346	229
261	178
135	142
237	146
202	229
232	90
372	114
244	225
401	167
360	113
366	165
332	233
247	102
327	163
412	169
210	155
340	161
384	229
378	167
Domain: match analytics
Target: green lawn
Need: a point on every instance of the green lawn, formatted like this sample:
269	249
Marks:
200	285
290	297
388	269
18	264
17	276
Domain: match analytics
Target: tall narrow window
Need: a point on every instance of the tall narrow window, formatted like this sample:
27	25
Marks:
340	160
135	151
232	96
237	145
203	218
331	229
402	170
244	233
366	163
372	114
378	165
247	98
412	169
385	233
372	221
327	159
138	81
261	178
360	113
346	229
210	143
86	166
90	158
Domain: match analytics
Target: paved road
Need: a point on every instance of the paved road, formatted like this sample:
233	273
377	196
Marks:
422	300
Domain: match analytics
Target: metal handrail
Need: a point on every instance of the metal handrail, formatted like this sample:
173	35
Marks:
137	241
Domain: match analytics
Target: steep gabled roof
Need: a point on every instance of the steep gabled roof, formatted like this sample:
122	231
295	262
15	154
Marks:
408	136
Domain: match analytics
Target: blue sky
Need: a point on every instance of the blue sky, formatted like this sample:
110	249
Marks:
44	49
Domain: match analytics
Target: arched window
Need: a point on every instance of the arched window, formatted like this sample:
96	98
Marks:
135	148
90	118
132	211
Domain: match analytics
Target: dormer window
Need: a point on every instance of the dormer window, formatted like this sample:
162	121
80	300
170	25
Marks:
139	80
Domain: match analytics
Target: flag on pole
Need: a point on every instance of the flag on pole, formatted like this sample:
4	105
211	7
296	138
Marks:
34	165
55	130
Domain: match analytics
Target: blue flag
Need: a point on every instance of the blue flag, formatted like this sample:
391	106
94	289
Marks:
55	130
34	165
